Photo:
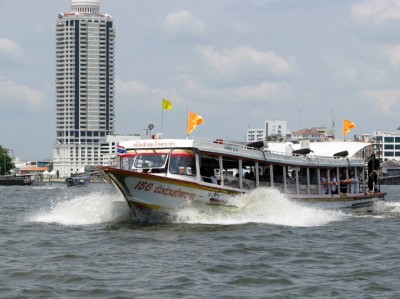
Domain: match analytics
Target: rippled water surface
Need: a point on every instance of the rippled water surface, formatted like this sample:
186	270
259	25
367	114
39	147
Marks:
59	242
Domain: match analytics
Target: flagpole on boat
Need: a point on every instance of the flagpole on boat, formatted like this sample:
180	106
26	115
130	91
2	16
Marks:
162	116
187	122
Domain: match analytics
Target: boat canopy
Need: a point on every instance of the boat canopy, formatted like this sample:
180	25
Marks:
324	149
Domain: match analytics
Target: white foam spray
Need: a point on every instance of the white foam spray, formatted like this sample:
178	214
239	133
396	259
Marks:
263	205
91	208
387	209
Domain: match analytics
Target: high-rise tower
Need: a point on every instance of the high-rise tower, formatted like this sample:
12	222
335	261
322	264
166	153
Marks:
84	86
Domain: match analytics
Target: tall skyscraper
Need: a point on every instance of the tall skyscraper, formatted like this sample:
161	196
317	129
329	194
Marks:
84	86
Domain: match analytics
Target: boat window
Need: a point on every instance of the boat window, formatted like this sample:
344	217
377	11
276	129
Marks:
183	162
264	174
231	171
127	157
209	168
151	158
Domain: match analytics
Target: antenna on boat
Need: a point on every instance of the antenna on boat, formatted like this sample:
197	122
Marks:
333	123
187	121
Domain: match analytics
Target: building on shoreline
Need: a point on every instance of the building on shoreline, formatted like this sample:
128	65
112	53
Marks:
84	87
387	145
272	129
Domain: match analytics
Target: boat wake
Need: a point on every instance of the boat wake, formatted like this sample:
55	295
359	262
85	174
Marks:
263	205
86	209
387	209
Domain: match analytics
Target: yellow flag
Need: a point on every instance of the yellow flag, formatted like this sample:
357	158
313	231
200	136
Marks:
166	105
347	126
194	121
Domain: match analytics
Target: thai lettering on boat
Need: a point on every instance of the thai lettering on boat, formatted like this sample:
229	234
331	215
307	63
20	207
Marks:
178	193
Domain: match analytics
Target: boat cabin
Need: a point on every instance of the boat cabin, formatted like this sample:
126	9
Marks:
240	167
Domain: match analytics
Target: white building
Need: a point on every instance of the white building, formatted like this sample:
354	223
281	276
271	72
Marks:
84	86
276	128
109	148
253	135
316	134
387	145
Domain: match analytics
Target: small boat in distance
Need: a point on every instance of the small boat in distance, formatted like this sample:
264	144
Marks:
78	180
166	174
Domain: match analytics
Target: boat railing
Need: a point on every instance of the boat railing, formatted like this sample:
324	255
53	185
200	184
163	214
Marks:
225	143
310	155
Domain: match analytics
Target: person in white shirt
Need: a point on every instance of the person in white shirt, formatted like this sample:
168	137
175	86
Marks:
324	183
333	183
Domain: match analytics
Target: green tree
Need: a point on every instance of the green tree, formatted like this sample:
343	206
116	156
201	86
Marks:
273	138
6	163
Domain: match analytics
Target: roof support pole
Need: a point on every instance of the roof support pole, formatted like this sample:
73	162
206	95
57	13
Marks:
284	179
240	174
257	175
271	174
221	170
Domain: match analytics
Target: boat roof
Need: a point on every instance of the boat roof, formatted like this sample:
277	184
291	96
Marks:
322	153
156	143
323	149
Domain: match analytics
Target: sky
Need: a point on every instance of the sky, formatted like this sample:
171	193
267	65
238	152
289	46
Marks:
237	63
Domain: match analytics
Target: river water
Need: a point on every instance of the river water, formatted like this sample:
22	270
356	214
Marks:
58	242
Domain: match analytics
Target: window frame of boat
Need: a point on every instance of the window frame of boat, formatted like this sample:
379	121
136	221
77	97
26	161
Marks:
224	163
141	163
183	165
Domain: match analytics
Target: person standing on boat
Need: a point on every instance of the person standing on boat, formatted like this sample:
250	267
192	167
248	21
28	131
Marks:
355	183
333	183
373	170
324	183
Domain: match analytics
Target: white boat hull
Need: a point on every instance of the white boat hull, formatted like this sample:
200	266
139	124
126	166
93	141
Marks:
360	202
160	192
164	193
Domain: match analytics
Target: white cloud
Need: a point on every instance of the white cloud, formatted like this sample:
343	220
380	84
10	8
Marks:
244	58
384	99
131	87
183	22
260	91
351	72
10	50
240	94
135	88
393	53
378	10
11	91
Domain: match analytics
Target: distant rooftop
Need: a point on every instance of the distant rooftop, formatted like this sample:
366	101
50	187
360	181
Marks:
85	6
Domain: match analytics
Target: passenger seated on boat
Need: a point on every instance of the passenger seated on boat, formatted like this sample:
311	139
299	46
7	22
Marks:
214	180
208	176
145	169
176	166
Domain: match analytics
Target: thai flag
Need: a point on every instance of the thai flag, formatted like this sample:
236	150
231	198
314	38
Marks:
121	151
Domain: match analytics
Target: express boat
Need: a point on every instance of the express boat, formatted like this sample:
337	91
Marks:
166	174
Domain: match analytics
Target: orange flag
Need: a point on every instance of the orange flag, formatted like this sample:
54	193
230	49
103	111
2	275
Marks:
194	121
347	126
